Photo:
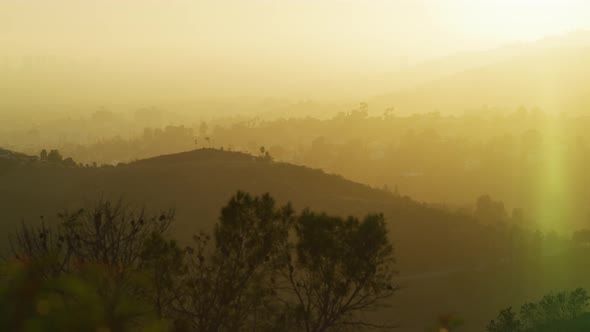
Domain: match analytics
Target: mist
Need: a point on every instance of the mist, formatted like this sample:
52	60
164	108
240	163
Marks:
266	165
80	55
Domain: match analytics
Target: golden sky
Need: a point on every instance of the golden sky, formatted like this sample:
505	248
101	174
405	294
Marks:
421	27
274	38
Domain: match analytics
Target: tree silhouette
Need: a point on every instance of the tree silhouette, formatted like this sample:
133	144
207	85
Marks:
115	251
507	321
226	289
203	129
264	268
489	211
337	268
54	156
552	313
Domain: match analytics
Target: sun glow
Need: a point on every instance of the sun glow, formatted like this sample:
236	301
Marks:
521	20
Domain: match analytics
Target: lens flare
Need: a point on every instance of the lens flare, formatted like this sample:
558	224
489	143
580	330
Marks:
553	208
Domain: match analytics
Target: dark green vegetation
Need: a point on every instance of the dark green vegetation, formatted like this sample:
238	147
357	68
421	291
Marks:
564	311
450	262
264	268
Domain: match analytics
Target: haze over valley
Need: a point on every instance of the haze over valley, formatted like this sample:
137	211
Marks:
303	165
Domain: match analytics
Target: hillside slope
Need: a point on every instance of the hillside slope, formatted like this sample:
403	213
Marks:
198	183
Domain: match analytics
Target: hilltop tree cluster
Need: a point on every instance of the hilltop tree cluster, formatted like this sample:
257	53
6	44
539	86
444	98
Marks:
55	157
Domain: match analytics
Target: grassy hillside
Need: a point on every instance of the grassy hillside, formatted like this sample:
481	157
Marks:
448	262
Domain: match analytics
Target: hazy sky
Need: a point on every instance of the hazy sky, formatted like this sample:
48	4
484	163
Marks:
233	39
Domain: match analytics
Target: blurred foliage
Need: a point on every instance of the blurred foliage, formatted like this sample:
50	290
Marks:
72	302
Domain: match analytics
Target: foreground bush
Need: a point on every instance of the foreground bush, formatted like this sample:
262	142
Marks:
564	311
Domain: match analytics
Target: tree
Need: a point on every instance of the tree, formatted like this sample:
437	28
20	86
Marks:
364	109
507	321
264	154
229	289
203	129
114	250
69	162
102	115
489	211
54	156
582	237
336	269
389	113
552	312
264	268
271	270
562	306
43	155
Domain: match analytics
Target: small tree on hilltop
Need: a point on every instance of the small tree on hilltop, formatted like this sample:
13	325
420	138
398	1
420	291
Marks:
54	156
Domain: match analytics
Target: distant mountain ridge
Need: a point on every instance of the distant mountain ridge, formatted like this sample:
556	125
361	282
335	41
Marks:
551	73
197	183
15	156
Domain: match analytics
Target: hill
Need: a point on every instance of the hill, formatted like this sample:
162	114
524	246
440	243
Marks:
547	74
446	259
7	155
10	160
198	183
